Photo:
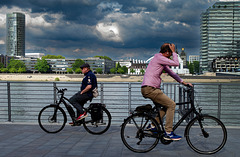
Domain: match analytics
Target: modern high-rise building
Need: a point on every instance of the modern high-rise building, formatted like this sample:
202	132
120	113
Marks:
15	38
220	32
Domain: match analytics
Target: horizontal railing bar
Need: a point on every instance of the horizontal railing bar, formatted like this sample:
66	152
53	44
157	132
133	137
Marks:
118	102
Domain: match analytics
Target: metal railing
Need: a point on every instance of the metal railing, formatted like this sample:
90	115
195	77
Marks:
22	101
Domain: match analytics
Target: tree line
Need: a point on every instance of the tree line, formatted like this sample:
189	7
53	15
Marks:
18	66
42	66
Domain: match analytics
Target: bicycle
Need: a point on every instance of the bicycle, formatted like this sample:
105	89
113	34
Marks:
52	118
205	134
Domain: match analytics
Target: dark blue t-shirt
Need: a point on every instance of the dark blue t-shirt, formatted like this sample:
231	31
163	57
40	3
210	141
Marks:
89	79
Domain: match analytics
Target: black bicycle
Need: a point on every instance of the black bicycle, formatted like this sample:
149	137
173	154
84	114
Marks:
205	134
52	118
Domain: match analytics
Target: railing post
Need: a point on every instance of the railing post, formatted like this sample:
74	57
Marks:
219	100
54	93
9	102
180	97
129	97
101	93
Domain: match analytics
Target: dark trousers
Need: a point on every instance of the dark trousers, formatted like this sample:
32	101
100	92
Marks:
78	100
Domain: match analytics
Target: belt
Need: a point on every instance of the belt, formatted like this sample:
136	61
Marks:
147	86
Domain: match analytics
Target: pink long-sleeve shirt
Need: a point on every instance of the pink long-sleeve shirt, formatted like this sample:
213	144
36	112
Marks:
155	69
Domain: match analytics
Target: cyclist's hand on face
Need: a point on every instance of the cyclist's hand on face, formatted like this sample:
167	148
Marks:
187	84
172	47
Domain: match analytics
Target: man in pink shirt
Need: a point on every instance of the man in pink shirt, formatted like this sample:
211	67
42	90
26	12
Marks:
152	81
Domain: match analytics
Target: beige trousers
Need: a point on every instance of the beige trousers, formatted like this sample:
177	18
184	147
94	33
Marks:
156	95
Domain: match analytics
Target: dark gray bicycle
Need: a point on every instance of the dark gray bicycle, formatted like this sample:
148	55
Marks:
53	118
205	134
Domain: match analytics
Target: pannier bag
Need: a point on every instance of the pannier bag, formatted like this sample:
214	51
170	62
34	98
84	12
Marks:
144	108
96	111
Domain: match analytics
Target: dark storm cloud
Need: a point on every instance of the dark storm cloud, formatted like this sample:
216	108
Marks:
119	28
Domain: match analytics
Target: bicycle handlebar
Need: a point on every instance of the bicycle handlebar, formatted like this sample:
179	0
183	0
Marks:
61	90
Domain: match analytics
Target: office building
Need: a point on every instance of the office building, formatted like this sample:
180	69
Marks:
4	59
193	58
98	62
15	38
226	64
220	32
34	55
56	65
137	67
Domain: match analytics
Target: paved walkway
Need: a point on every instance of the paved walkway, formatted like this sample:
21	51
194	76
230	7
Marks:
30	141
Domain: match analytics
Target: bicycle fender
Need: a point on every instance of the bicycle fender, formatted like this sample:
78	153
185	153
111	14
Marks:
185	132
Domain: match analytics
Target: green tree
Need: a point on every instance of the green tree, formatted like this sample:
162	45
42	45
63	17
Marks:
78	70
12	70
190	67
42	65
196	66
104	57
113	70
77	64
120	71
69	70
125	69
132	71
15	64
53	57
4	70
1	65
142	71
99	70
21	70
118	65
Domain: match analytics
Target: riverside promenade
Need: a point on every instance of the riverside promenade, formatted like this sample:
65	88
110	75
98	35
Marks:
28	140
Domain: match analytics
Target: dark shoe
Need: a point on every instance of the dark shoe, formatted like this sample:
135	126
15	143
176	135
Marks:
151	128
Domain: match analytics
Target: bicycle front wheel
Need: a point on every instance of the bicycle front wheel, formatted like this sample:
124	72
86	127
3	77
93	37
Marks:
98	127
52	119
135	135
206	134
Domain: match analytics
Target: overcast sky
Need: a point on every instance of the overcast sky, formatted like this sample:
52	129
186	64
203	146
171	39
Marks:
119	29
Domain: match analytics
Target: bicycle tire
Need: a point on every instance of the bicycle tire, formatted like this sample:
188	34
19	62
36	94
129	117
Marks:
100	126
48	124
209	141
135	136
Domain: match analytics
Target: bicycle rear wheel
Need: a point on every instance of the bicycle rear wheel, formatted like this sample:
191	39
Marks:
208	140
135	136
50	122
97	127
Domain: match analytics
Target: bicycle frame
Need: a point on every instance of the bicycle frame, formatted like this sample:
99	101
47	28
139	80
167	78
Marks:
63	100
191	110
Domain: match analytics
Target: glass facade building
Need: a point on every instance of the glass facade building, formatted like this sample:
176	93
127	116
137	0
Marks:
104	64
220	32
15	38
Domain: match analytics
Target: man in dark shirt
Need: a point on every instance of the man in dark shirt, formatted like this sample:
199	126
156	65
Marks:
89	82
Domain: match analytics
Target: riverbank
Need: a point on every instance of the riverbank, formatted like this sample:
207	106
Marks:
114	78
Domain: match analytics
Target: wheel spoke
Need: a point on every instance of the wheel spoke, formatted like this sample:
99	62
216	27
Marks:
52	120
134	134
99	126
207	135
